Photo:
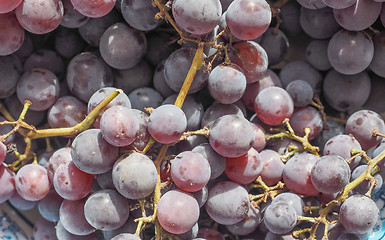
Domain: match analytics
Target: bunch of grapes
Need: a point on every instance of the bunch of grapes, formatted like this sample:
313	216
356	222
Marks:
194	119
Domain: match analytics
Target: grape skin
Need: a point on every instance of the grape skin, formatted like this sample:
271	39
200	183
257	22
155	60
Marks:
32	182
280	218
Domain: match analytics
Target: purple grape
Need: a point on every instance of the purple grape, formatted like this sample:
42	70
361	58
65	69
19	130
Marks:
318	23
216	161
217	110
145	97
249	224
135	77
364	187
72	218
49	206
272	167
71	17
317	55
47	59
140	14
307	117
44	230
280	218
272	38
10	70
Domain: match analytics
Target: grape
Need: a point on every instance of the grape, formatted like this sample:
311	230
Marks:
192	109
346	92
312	4
290	18
280	218
67	111
71	17
119	126
273	105
167	123
244	169
71	183
226	83
20	203
106	209
272	167
93	9
116	52
228	203
72	217
125	236
296	174
134	176
307	117
217	110
159	46
140	14
32	182
49	206
47	59
248	19
25	49
176	68
63	234
330	174
11	34
87	73
216	161
266	79
251	58
377	64
318	23
248	224
291	199
145	97
40	16
342	145
339	4
170	205
94	28
350	52
159	80
59	157
98	96
44	230
361	125
197	17
272	38
68	43
143	135
190	171
7	181
359	214
363	187
316	54
358	16
301	70
10	70
92	154
9	5
301	92
138	76
231	136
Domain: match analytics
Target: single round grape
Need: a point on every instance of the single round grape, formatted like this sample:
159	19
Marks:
40	86
296	174
167	123
350	52
49	206
114	49
276	45
231	136
92	154
342	145
134	176
318	23
272	167
99	95
359	214
228	203
190	171
170	205
226	84
290	18
135	77
119	126
140	14
317	54
72	217
106	209
280	218
40	16
307	117
68	43
244	169
11	34
273	105
71	183
32	182
94	9
145	97
361	125
248	19
330	174
251	58
346	92
301	92
197	17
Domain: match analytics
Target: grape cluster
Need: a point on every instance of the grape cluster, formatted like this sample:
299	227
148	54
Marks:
193	119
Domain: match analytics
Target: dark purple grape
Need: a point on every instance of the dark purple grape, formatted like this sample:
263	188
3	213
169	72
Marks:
301	92
280	218
272	38
307	117
140	14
